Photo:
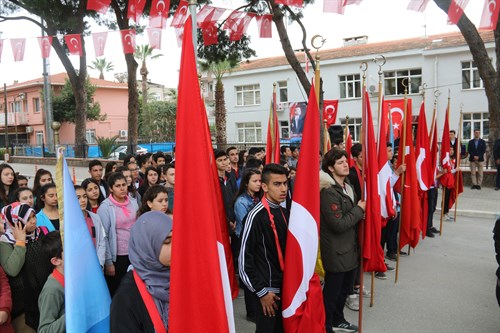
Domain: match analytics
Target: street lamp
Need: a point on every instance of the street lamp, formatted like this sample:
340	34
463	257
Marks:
55	125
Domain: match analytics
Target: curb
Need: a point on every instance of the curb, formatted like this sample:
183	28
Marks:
473	213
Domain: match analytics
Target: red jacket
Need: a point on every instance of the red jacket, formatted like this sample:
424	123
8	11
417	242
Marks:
5	302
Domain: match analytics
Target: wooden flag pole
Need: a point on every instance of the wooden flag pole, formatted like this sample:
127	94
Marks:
458	153
443	192
402	150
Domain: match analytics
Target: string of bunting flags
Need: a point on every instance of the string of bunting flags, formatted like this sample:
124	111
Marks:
236	23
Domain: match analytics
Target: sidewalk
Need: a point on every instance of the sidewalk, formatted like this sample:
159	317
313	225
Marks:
475	203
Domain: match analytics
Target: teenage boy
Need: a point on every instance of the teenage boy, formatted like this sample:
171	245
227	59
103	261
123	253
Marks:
232	153
134	170
170	184
158	159
51	300
95	171
263	242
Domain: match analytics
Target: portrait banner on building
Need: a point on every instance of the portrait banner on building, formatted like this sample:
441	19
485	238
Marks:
297	117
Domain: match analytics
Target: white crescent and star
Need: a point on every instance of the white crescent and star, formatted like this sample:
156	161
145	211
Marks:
73	41
160	3
129	39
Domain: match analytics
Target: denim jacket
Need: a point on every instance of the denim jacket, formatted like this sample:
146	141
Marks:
244	203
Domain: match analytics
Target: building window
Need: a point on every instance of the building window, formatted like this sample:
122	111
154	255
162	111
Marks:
350	86
282	92
475	122
354	128
90	136
410	77
248	95
470	76
16	107
249	132
285	129
36	105
39	138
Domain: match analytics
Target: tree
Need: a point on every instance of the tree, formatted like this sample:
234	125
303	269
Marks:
64	104
487	72
157	120
101	65
62	17
143	53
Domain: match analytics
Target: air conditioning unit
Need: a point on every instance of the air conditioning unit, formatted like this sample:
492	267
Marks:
280	107
29	129
373	89
123	133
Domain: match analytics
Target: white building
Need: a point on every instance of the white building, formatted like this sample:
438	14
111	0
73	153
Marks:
440	62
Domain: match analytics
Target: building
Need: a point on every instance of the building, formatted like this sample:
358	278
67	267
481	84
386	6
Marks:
440	62
26	114
158	92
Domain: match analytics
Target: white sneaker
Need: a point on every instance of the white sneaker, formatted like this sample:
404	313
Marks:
366	292
352	302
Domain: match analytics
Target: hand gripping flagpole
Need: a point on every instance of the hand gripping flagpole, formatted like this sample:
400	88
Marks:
458	152
364	67
443	192
402	150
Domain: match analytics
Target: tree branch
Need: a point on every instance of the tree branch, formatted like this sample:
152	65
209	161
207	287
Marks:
304	36
17	18
252	3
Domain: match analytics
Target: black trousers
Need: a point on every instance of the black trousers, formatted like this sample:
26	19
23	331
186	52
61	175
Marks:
335	292
432	201
497	184
266	324
392	235
121	266
447	193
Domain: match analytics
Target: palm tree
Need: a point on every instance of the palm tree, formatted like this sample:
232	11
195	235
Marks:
143	53
101	65
219	69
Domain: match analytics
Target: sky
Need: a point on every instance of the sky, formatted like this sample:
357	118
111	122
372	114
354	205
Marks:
380	20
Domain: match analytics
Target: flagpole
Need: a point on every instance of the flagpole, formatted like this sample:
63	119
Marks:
444	187
364	68
346	128
402	150
458	158
325	136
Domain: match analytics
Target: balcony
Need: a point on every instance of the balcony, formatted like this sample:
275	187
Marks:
13	119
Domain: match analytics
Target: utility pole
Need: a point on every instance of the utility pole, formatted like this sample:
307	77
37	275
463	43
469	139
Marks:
6	121
47	102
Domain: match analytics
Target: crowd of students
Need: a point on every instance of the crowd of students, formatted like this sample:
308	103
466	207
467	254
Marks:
129	210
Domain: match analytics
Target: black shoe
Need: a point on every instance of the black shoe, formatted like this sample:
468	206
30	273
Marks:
380	275
497	188
430	234
403	254
390	268
473	187
434	230
391	256
345	327
478	187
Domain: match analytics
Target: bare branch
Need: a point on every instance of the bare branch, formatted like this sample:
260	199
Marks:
304	36
17	18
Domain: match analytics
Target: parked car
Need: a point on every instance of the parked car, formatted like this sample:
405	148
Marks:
123	150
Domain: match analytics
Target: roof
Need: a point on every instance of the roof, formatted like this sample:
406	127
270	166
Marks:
418	43
60	78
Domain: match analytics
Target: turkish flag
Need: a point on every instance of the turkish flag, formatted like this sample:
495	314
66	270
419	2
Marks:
447	179
208	15
330	108
128	41
99	39
135	9
489	19
210	35
264	24
239	26
18	45
396	107
417	5
1	49
45	43
180	15
74	44
154	36
410	205
333	6
158	13
294	3
423	166
303	309
457	189
179	33
100	6
273	135
372	253
456	10
387	199
348	147
214	310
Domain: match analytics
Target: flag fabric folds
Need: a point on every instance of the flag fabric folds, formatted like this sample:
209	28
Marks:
396	109
18	45
333	6
100	6
128	41
196	245
264	24
87	299
373	254
447	179
158	13
456	10
1	49
273	135
210	35
45	43
74	44
154	36
135	9
180	15
293	3
348	147
387	199
417	5
330	108
489	18
423	165
99	39
208	16
303	309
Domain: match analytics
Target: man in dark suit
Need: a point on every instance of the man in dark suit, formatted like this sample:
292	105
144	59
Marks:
297	122
476	149
496	157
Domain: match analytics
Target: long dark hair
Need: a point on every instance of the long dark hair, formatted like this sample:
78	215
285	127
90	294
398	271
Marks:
109	169
151	194
40	204
86	184
145	185
36	182
4	196
244	183
241	158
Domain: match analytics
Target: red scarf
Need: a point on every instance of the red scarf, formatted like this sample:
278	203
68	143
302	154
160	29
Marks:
58	276
273	226
154	314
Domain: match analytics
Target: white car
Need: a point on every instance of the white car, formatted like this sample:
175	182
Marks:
123	149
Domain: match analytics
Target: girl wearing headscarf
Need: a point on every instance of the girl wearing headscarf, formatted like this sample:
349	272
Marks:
24	262
141	303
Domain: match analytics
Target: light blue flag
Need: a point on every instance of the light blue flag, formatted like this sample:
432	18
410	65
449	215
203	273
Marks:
86	293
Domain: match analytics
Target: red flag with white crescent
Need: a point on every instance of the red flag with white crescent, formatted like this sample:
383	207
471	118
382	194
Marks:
154	36
158	13
18	45
264	24
396	107
330	108
417	5
447	179
180	15
489	19
208	15
45	43
303	309
456	10
239	26
99	39
128	40
210	35
293	3
74	44
100	6
135	9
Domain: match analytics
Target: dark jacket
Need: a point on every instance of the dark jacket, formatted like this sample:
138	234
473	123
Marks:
496	239
128	311
259	262
496	150
481	149
354	180
339	216
229	190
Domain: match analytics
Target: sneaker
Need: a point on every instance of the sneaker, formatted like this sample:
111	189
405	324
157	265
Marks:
473	187
352	302
391	256
366	292
381	275
390	268
434	230
478	187
345	327
403	254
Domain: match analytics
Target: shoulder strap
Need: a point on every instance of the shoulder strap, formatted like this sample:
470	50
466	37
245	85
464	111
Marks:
150	305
